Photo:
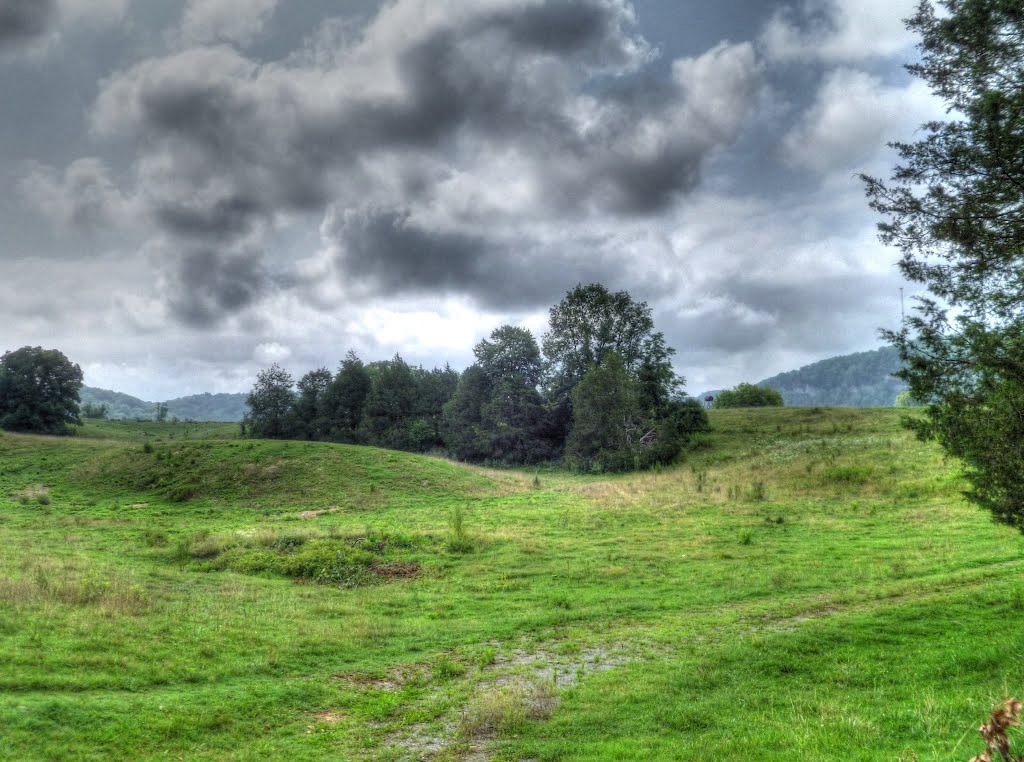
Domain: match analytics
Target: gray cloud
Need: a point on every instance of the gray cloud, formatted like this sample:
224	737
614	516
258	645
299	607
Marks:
84	196
209	283
22	20
229	144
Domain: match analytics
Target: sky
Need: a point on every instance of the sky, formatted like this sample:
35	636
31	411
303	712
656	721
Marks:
199	188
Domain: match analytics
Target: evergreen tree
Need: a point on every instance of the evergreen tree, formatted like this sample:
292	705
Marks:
344	399
390	406
464	431
311	404
954	208
607	422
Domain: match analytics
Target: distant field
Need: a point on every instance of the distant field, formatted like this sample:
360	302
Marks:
808	585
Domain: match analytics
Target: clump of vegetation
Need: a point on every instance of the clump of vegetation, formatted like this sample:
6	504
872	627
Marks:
459	539
602	395
507	708
342	561
748	395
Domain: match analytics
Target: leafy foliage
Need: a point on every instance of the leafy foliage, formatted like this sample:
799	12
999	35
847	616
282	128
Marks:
39	391
953	207
271	414
588	324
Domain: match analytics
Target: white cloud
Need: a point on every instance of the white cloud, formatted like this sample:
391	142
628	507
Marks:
839	31
853	117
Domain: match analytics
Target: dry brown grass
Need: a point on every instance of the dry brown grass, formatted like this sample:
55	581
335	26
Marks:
45	583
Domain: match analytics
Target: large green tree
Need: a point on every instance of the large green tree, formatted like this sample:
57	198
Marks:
497	412
345	398
954	206
272	406
39	391
590	323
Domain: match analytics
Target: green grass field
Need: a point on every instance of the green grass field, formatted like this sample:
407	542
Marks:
807	585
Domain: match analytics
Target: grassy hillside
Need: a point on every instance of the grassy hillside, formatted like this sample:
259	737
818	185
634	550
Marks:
808	585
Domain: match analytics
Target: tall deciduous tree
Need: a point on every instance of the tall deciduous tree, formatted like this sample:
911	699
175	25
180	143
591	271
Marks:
271	405
39	391
955	208
591	322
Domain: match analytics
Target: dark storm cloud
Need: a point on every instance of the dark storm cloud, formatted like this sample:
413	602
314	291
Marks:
22	20
228	143
210	283
390	252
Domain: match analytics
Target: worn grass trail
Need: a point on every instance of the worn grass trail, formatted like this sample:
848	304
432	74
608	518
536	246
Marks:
808	584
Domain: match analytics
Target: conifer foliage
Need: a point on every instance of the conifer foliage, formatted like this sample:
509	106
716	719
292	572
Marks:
955	208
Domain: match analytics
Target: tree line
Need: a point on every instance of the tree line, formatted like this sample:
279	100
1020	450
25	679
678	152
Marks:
598	393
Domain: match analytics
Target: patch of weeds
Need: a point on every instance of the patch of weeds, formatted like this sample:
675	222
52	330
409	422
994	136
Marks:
746	537
855	474
446	668
110	592
155	538
336	560
34	493
701	477
506	709
487	656
561	602
757	493
459	540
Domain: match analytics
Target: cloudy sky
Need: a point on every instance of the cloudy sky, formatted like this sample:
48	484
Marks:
199	188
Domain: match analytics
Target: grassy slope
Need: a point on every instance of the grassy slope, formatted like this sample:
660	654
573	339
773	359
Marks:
810	585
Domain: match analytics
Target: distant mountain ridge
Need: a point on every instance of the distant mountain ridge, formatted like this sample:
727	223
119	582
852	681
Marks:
196	407
862	379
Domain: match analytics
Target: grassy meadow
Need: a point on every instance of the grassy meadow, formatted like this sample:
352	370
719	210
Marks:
808	584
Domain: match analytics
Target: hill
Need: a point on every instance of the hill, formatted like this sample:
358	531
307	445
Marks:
810	584
197	407
863	379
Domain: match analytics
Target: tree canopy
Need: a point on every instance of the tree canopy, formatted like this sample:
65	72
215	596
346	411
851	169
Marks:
954	206
39	391
590	323
589	403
